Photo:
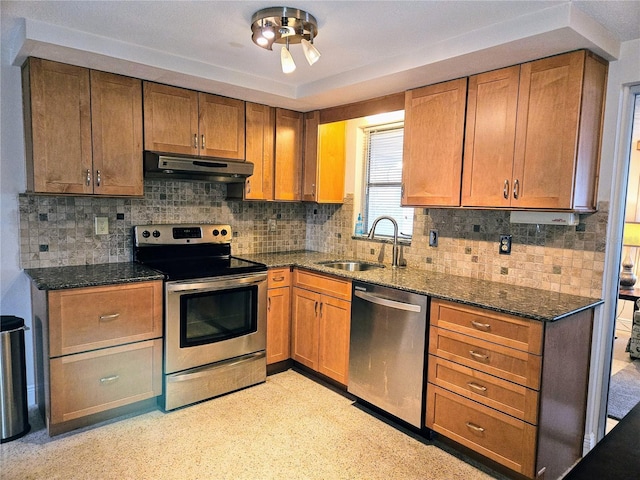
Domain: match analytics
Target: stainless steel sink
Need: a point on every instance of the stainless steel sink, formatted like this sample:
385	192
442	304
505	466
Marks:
352	266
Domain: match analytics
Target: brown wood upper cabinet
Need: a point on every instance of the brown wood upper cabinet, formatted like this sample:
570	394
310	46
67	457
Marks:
324	160
83	130
433	142
288	155
183	121
548	157
260	137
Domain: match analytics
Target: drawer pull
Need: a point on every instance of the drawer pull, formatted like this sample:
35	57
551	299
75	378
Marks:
477	387
109	380
277	279
108	318
479	356
481	326
475	428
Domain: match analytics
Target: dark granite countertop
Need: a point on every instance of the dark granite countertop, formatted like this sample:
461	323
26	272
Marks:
526	302
58	278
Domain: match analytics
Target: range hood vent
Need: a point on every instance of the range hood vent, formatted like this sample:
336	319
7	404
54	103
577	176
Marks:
173	167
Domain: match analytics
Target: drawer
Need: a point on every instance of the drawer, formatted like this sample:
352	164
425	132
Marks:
82	319
492	326
508	363
279	277
508	397
326	284
92	382
500	437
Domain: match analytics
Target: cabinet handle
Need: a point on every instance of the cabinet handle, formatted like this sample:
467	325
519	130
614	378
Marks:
277	279
109	380
505	191
202	142
516	188
321	309
481	326
98	178
108	318
315	309
269	304
195	140
477	387
88	179
479	356
248	186
474	427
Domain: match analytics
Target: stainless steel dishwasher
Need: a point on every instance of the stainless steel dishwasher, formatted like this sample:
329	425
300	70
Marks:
387	350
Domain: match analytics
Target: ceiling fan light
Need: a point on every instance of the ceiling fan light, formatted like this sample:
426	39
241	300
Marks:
311	53
288	65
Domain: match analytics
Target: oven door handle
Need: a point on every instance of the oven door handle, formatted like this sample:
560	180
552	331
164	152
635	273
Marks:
215	283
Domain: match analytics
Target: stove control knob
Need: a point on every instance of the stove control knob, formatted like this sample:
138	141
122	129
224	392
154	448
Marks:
156	234
224	232
146	234
216	232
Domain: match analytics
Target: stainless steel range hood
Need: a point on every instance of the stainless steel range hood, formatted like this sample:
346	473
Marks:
170	167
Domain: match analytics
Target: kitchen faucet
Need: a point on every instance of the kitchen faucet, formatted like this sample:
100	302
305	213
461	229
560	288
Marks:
394	260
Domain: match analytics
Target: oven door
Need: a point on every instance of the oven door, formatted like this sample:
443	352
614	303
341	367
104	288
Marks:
214	319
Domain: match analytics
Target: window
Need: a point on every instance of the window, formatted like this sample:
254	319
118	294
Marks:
383	180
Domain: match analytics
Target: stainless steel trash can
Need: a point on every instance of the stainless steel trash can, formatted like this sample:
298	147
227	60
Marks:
14	414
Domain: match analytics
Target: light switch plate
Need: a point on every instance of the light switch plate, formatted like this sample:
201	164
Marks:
102	225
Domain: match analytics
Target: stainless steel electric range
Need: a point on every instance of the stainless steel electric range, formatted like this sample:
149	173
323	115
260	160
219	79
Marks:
214	311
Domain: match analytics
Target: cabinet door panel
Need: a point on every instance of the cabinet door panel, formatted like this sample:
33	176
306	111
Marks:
59	123
309	180
304	323
490	138
116	121
288	159
433	137
547	132
260	126
278	324
170	119
221	126
331	163
335	327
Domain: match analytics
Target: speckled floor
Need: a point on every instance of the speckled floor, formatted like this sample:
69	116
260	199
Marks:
287	428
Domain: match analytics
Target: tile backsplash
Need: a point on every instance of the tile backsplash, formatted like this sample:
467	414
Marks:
59	230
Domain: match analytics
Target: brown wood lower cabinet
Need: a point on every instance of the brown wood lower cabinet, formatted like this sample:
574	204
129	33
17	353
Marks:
98	352
278	315
321	323
511	389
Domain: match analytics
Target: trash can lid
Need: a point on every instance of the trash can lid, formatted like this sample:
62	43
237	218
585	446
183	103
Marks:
10	322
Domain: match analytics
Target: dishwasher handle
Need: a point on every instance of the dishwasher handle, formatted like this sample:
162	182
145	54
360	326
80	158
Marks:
370	297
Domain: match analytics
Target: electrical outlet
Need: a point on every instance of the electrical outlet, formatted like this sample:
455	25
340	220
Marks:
505	245
271	225
433	238
102	225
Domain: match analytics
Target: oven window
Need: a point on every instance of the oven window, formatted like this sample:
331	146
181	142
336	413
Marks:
216	316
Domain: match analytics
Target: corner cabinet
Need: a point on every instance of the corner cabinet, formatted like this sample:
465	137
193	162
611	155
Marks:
177	120
321	323
512	389
278	315
83	130
433	142
288	155
98	352
549	157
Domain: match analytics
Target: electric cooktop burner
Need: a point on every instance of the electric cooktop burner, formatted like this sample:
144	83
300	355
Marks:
191	251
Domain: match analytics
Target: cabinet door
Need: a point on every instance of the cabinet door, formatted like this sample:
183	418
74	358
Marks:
333	342
547	132
304	322
433	136
288	159
57	118
116	124
331	162
221	126
490	138
170	119
310	167
260	131
278	324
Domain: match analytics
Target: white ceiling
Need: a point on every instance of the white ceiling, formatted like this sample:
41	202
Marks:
369	48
